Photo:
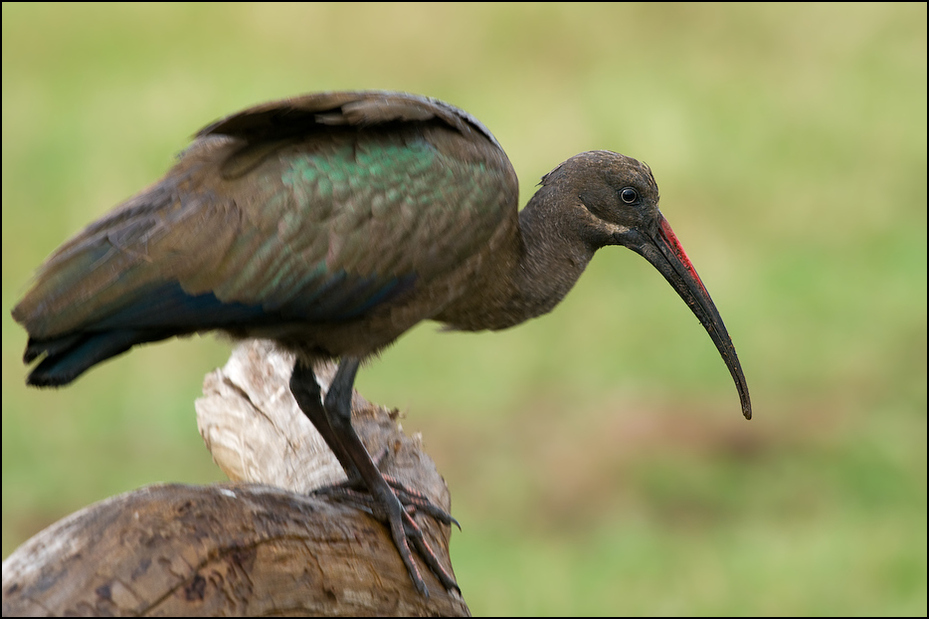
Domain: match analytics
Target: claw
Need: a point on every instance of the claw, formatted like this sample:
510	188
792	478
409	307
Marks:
397	511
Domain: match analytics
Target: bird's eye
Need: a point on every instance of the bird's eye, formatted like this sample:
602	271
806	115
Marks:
628	195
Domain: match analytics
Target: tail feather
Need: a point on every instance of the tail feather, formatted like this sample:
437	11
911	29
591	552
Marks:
35	348
156	314
69	356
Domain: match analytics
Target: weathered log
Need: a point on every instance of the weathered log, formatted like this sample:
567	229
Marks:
256	546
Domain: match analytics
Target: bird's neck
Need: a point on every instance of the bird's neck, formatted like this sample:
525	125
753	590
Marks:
529	273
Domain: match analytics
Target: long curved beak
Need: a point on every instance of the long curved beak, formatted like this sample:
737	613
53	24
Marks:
665	253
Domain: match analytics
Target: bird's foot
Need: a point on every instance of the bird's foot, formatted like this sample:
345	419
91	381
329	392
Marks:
413	501
396	508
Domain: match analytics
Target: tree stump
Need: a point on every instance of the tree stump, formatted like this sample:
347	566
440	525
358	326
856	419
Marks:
259	545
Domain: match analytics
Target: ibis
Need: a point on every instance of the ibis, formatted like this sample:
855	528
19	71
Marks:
332	223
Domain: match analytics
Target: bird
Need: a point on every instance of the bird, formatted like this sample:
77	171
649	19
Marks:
331	223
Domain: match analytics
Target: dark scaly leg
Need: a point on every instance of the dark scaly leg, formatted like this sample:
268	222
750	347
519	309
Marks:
333	420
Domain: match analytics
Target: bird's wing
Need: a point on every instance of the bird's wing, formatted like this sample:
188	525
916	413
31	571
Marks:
317	209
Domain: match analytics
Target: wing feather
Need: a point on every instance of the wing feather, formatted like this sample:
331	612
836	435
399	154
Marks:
315	209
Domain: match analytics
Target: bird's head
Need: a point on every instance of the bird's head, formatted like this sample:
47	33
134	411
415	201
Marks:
618	205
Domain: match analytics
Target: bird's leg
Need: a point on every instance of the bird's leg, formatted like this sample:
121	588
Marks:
306	391
333	419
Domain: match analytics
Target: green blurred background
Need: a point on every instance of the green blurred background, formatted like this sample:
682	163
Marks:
597	457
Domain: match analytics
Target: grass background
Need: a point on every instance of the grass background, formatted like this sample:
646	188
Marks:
597	457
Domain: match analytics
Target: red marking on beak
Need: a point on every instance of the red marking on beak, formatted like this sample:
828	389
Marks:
675	246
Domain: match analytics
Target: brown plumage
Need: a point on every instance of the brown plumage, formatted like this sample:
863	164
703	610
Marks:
333	223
